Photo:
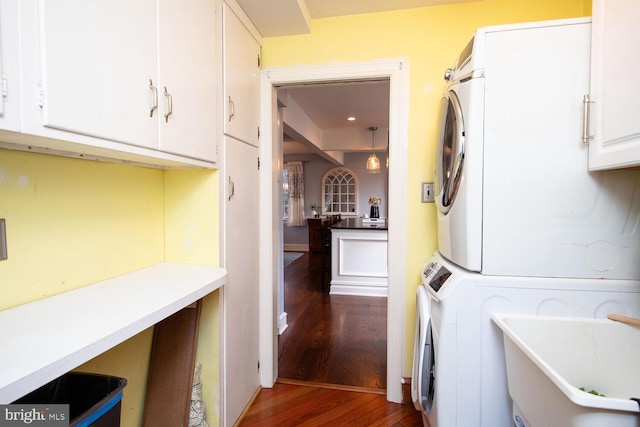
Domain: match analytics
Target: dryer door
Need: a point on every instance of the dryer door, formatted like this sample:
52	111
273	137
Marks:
450	156
422	382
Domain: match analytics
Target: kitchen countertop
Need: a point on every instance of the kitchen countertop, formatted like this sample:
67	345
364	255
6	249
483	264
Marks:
359	224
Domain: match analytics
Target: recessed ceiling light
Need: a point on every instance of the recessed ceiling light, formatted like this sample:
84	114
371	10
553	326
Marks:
351	118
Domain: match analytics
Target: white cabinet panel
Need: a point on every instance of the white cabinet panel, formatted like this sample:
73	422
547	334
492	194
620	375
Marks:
241	80
9	66
615	85
241	377
93	77
97	59
187	58
359	262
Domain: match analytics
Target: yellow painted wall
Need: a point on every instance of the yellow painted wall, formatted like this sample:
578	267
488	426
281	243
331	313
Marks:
192	237
430	39
74	222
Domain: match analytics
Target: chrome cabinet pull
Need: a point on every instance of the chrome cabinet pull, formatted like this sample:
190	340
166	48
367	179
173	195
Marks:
169	98
232	189
232	109
154	92
586	114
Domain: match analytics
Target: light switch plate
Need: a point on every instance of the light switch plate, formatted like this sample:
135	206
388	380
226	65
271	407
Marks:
428	195
3	240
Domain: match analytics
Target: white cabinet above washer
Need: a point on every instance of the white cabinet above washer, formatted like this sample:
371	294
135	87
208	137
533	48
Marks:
614	131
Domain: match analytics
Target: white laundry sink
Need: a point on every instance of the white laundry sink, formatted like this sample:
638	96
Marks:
549	359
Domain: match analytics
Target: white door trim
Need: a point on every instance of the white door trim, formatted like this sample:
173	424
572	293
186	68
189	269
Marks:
397	71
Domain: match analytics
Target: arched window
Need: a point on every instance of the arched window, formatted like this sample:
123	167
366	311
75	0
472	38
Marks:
340	192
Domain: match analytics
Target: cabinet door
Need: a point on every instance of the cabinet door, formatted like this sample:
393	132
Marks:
187	35
241	322
9	66
97	59
615	85
241	80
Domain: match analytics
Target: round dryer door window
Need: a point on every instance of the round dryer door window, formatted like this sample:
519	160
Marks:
450	155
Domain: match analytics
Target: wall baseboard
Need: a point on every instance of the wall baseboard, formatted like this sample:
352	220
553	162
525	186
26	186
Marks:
282	323
296	247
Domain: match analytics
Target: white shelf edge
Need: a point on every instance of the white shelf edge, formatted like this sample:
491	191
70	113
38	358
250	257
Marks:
44	339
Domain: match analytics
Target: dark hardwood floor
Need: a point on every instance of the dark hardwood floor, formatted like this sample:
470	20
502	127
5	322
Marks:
332	360
287	405
331	339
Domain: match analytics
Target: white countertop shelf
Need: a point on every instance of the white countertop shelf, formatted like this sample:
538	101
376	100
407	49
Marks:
42	340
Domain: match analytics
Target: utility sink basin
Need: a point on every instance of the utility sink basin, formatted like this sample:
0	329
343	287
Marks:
549	359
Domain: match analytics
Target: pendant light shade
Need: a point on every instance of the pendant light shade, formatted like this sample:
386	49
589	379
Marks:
373	163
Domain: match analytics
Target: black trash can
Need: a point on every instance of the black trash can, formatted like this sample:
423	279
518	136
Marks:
94	400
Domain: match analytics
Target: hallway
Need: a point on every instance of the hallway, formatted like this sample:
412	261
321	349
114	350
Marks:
336	339
332	360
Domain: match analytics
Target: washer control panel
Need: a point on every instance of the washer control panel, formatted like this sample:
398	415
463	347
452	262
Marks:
435	275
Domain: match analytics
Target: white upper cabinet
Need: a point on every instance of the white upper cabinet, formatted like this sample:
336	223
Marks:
187	58
116	79
614	128
98	61
9	67
241	54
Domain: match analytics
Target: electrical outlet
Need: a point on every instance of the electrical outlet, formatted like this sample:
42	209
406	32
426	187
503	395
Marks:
428	195
3	240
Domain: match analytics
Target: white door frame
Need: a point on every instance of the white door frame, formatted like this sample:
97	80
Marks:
397	71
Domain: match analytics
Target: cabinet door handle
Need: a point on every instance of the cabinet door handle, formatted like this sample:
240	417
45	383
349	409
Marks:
154	92
169	98
232	109
586	116
232	189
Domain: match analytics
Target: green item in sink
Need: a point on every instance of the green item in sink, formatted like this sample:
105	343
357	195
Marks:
595	393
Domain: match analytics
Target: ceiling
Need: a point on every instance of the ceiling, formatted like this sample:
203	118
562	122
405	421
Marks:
293	16
329	105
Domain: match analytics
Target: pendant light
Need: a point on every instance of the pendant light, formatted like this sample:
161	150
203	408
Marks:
373	163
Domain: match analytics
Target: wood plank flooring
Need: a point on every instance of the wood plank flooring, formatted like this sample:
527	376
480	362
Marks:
332	360
333	339
287	405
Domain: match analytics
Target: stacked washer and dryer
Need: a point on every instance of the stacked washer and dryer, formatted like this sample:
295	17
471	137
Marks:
523	227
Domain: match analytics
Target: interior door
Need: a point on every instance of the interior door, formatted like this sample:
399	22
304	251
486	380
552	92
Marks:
241	334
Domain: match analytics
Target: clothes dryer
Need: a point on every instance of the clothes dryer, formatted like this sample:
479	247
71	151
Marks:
513	191
459	377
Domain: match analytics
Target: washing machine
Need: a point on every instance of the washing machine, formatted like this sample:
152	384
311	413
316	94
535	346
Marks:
513	193
459	372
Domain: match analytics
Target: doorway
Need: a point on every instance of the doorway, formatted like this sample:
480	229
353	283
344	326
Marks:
338	339
270	222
